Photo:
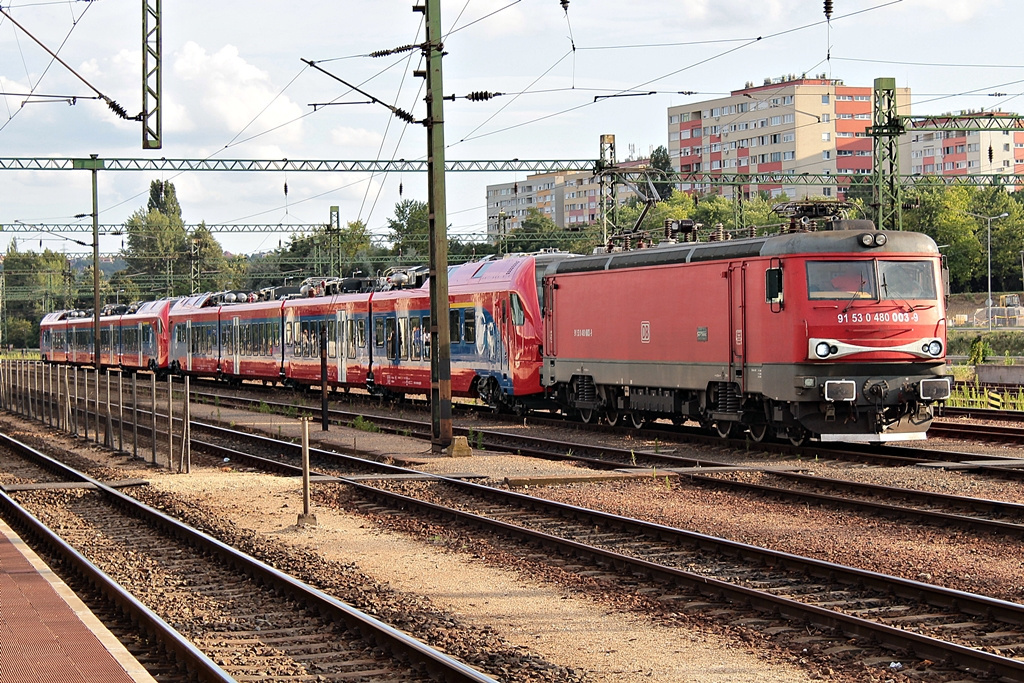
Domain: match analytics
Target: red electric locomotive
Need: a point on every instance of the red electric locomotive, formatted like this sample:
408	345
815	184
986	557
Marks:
837	333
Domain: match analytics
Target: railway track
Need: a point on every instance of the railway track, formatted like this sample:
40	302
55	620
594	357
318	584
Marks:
241	618
927	650
689	571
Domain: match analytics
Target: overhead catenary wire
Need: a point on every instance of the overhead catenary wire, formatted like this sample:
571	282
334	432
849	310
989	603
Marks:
114	106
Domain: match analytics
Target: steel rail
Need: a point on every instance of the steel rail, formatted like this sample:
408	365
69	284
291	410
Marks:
374	630
923	646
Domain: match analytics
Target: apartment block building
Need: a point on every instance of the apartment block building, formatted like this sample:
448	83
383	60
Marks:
789	126
957	152
571	200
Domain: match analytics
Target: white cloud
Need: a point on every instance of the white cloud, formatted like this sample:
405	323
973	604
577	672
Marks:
231	95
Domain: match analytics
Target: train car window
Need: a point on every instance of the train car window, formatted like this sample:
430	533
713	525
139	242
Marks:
417	337
773	286
361	334
455	326
350	338
469	329
518	314
389	326
403	338
226	339
841	280
426	337
907	280
332	339
288	334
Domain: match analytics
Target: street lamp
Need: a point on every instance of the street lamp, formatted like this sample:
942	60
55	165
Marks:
989	219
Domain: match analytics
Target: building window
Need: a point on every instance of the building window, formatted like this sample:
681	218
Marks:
826	137
824	99
826	191
825	155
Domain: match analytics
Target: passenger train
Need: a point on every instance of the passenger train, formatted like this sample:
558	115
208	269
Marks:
831	330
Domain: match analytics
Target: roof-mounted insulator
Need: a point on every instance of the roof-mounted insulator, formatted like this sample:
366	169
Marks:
828	9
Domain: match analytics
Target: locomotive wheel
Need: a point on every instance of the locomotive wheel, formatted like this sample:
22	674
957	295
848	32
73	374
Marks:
724	429
636	420
797	436
758	432
587	415
612	416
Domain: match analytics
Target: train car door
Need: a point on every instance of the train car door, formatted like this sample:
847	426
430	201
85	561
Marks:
188	345
138	343
550	348
341	327
236	342
737	276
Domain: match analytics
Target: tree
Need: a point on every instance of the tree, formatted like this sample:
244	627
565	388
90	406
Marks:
34	284
159	253
410	228
661	161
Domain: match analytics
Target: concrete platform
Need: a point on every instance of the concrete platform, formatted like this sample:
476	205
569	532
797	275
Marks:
47	635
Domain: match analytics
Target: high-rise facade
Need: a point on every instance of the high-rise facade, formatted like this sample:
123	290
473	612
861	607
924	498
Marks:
788	126
959	152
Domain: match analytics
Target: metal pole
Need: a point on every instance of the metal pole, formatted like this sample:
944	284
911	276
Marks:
120	410
440	348
186	433
108	435
305	519
170	422
153	413
85	413
96	270
135	415
323	377
989	302
74	404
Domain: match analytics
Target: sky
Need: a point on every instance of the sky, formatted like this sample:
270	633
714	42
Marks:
235	87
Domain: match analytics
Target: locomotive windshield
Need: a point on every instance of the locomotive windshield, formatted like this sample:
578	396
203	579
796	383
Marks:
841	280
867	279
906	279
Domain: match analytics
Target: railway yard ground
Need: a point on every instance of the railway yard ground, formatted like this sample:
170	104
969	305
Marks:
586	631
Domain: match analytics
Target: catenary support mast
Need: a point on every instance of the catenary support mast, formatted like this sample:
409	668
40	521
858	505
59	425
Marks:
440	346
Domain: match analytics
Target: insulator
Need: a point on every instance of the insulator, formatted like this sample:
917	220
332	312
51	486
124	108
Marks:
399	188
990	155
828	9
116	108
286	188
565	5
481	95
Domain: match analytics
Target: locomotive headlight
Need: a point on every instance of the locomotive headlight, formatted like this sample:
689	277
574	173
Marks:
880	239
866	239
933	348
822	349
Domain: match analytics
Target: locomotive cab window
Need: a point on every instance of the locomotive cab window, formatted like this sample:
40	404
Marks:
518	314
907	280
773	286
841	280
